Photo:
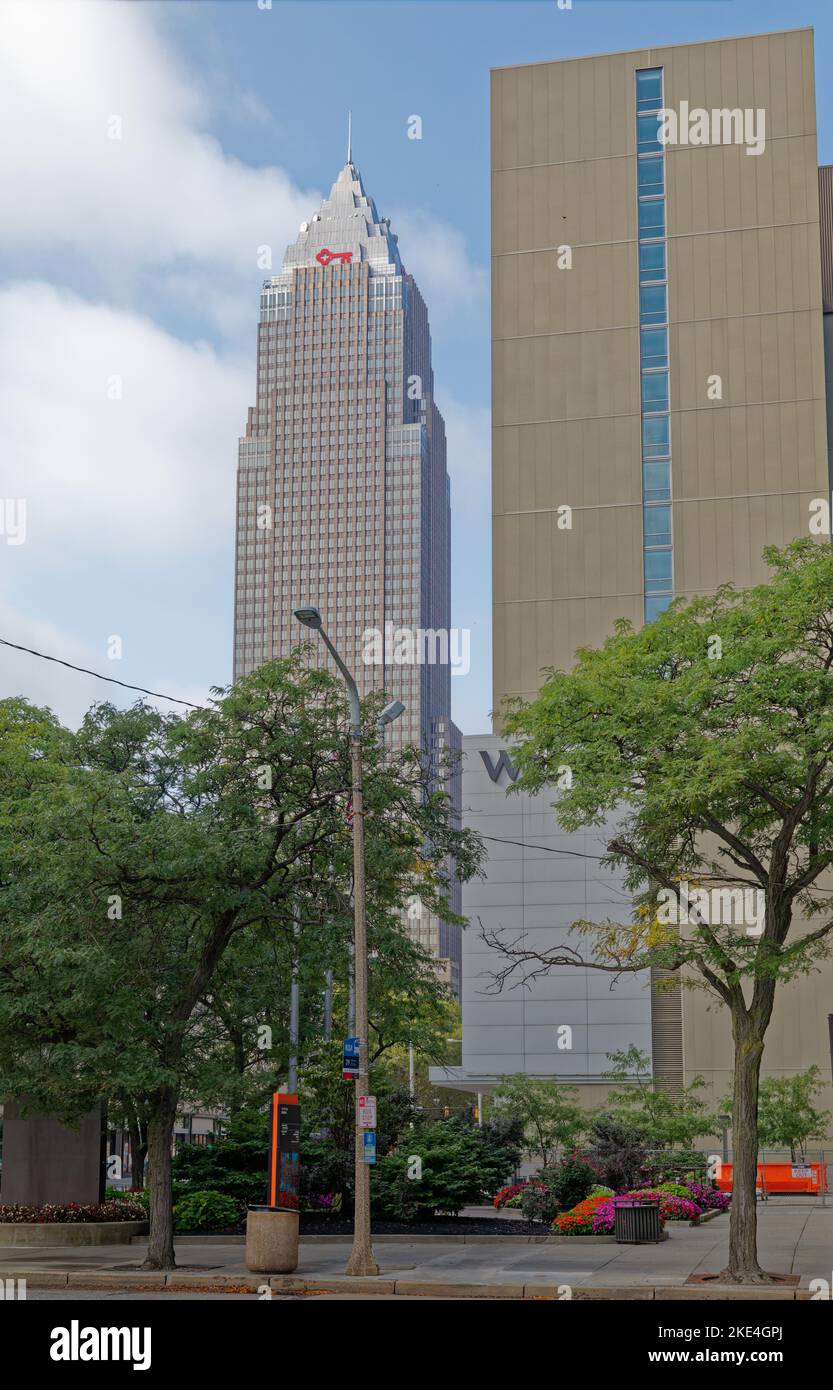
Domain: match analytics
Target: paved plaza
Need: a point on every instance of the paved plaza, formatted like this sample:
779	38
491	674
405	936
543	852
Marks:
795	1237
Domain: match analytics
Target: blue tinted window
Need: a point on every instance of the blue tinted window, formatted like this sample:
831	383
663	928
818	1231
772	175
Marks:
648	89
658	571
654	347
654	391
651	174
656	481
652	304
647	135
655	606
651	262
656	437
652	218
657	524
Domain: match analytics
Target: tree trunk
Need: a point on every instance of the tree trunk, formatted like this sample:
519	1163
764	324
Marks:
743	1267
160	1137
138	1151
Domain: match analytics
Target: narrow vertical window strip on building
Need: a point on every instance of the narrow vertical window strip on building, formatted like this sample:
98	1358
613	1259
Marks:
654	367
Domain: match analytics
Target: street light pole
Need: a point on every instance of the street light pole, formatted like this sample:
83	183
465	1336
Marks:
361	1258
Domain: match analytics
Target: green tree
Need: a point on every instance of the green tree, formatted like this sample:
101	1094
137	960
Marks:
787	1117
550	1116
663	1119
136	853
709	733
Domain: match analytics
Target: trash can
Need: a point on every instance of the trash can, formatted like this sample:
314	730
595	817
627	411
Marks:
271	1240
636	1221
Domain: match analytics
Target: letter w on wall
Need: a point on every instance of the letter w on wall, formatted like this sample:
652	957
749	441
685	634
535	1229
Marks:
504	761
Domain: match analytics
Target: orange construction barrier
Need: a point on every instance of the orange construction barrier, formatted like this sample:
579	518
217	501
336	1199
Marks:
778	1177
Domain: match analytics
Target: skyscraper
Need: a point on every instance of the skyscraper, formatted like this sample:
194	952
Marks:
342	488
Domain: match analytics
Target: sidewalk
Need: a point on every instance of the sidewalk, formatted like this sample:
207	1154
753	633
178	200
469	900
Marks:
794	1238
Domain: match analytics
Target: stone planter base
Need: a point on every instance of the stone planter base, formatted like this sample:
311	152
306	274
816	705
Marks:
70	1232
271	1240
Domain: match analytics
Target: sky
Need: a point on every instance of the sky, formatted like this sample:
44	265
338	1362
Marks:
150	150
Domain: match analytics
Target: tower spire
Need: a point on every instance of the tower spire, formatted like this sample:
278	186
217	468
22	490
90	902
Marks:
349	137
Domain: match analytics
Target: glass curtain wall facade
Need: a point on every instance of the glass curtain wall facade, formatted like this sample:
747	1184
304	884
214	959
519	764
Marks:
657	535
342	488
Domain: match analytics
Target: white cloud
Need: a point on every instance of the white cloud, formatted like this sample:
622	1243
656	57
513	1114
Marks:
164	194
67	693
435	253
149	476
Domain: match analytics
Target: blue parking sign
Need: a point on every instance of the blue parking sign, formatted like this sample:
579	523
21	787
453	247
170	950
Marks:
369	1146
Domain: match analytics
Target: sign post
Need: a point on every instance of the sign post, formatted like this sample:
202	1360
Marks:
284	1151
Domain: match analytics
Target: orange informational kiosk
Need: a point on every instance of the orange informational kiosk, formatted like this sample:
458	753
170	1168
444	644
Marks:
284	1151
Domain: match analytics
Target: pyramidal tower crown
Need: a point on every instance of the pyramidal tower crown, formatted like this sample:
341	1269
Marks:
347	227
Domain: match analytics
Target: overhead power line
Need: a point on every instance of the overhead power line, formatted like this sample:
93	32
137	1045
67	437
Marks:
157	695
175	699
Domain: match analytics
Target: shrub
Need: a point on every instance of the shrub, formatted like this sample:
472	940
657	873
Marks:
539	1203
460	1166
205	1211
677	1189
236	1165
599	1191
73	1213
569	1181
395	1196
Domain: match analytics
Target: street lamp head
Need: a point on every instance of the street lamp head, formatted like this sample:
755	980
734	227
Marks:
310	617
391	712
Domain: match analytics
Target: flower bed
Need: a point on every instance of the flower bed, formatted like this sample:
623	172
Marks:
508	1194
579	1221
708	1198
677	1202
70	1223
71	1212
671	1207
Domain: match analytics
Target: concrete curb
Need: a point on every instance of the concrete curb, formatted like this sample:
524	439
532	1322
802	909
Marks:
183	1280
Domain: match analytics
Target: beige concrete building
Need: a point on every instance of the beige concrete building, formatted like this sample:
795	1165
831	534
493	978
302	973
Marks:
740	260
659	401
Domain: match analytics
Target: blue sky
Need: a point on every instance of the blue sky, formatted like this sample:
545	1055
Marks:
129	283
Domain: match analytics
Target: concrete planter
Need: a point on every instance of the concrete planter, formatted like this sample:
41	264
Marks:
70	1232
271	1240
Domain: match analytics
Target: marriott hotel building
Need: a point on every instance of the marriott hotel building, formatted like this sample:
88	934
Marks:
660	313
